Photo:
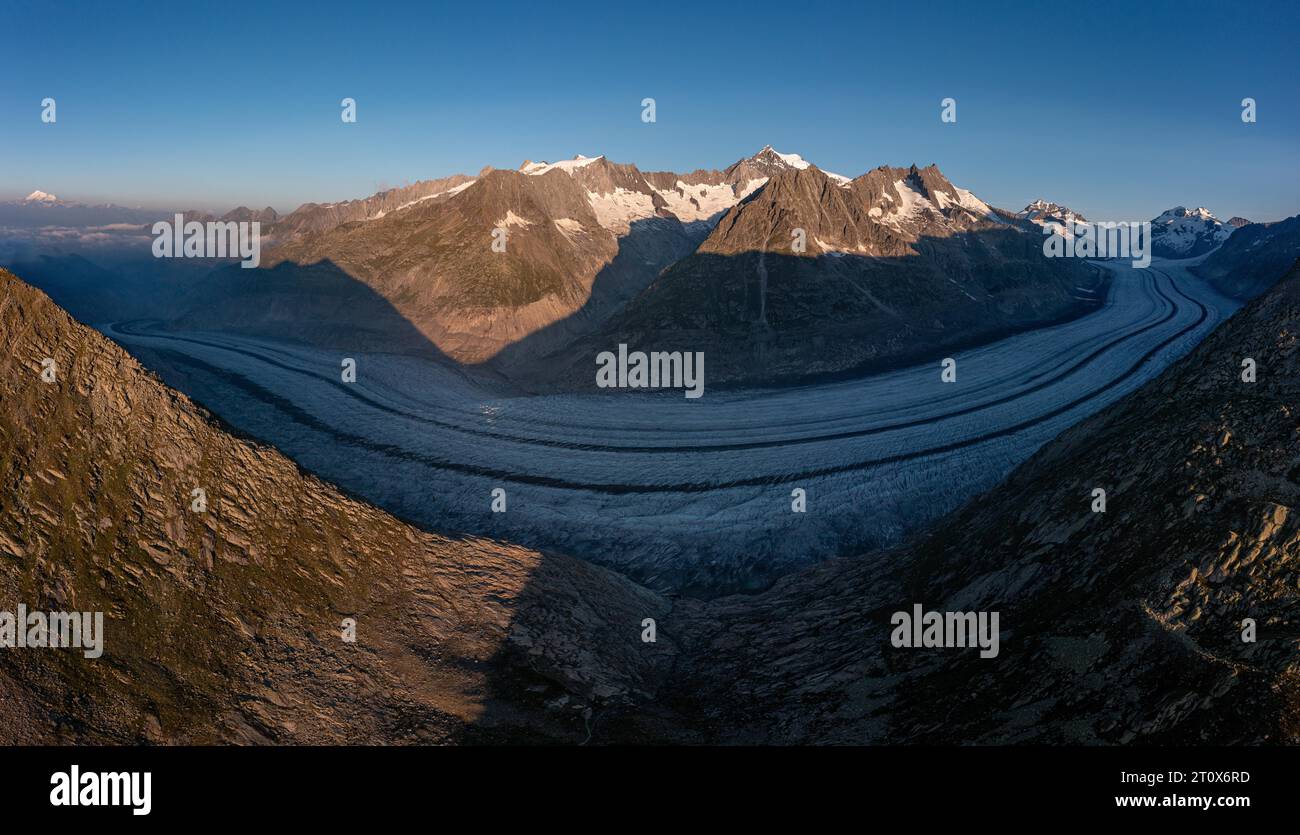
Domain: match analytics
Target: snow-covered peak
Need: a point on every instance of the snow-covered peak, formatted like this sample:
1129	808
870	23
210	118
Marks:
1042	211
40	197
1183	233
773	160
1199	213
1062	219
790	160
563	165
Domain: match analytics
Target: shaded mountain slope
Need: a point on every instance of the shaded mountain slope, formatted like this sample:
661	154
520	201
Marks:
225	625
1253	259
1116	627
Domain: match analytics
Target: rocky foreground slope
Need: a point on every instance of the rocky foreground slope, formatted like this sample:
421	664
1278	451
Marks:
1117	627
226	625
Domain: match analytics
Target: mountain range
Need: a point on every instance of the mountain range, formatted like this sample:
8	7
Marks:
776	268
40	209
745	262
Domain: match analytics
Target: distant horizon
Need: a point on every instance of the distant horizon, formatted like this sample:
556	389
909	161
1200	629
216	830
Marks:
196	205
1127	116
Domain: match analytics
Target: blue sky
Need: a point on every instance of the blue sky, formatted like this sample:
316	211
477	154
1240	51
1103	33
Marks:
1119	111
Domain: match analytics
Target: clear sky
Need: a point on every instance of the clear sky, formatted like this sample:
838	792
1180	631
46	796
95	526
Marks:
1117	110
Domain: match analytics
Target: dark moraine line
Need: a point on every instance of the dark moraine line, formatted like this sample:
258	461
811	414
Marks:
294	412
727	447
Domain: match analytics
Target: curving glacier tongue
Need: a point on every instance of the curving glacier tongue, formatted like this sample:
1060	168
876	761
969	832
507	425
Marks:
691	495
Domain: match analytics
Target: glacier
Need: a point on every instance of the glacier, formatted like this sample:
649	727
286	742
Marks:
691	496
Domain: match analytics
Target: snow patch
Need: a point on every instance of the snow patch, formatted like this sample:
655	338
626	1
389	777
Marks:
569	165
913	203
451	191
568	227
512	219
618	209
709	200
973	204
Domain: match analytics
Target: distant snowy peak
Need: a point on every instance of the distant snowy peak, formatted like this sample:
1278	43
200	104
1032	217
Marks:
1187	233
1043	212
40	197
1200	213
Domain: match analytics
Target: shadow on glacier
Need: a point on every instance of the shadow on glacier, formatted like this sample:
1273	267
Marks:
774	318
324	306
863	313
650	246
583	682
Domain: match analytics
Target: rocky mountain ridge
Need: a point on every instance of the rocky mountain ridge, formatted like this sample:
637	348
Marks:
810	275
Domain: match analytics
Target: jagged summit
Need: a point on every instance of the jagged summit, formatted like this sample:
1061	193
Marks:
775	157
769	162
